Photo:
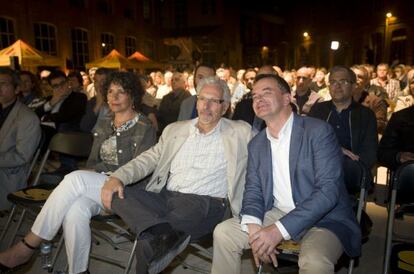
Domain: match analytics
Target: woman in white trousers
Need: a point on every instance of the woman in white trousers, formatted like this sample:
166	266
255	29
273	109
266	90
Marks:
77	198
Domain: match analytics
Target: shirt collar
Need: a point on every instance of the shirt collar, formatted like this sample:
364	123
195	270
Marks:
195	131
286	129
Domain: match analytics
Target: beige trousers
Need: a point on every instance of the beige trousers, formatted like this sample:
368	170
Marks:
320	248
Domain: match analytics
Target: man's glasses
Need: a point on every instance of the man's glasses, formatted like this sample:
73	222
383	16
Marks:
58	85
342	82
303	78
209	100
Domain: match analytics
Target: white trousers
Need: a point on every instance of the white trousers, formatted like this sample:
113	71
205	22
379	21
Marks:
72	204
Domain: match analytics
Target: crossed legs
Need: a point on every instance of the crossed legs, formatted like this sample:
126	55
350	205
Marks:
74	201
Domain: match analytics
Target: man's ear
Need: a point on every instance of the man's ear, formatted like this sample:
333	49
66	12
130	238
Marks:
287	97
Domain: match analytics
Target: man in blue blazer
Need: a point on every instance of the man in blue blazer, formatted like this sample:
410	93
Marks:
294	190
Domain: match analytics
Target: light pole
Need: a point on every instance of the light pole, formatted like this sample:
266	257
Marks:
386	54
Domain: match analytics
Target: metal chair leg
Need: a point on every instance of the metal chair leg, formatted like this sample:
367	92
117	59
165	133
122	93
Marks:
390	225
9	220
19	224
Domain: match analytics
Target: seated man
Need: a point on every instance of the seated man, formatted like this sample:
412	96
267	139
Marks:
62	112
397	144
19	134
293	184
188	107
196	166
364	94
354	124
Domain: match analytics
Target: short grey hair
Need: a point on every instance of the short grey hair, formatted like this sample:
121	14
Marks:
215	81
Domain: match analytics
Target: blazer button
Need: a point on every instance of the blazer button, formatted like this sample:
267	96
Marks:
135	144
120	151
95	134
118	134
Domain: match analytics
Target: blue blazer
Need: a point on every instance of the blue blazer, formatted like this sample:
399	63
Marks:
319	193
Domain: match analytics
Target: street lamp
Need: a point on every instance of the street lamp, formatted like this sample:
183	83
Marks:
334	45
388	18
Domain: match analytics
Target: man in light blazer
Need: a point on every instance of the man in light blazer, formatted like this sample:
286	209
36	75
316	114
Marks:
197	166
294	190
19	137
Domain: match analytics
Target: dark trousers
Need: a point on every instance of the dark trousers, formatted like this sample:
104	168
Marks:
193	214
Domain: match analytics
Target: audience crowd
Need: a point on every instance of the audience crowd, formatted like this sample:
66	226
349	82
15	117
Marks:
256	156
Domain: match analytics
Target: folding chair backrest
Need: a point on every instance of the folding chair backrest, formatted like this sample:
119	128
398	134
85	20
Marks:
404	183
76	144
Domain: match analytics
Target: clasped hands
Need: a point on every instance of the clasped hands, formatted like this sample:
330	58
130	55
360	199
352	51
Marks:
263	241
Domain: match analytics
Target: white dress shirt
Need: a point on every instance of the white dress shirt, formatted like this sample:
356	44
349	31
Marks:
282	188
200	166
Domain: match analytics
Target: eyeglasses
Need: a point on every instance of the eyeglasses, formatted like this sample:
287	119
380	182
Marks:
209	100
303	78
342	82
58	85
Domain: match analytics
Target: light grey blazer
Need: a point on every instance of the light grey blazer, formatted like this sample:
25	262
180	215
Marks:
19	138
157	160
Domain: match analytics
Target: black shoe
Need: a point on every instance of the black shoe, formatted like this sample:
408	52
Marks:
166	247
5	269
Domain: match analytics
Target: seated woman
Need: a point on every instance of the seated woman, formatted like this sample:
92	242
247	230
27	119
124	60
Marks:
77	198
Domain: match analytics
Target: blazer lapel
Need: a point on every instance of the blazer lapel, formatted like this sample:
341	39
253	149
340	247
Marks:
295	145
230	149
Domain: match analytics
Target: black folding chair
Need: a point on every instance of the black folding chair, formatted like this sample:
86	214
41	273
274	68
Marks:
31	199
402	195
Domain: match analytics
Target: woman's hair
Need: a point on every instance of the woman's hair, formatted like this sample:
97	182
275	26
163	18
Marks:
129	82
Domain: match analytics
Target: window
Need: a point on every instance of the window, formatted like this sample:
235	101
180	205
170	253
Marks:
398	45
80	4
148	48
180	13
128	13
130	45
208	7
6	32
107	42
104	6
146	9
45	38
80	48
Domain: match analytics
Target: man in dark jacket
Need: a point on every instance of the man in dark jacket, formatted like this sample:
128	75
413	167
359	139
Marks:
355	125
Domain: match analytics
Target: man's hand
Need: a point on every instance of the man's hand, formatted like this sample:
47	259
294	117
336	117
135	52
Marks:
111	186
350	154
264	242
253	228
406	156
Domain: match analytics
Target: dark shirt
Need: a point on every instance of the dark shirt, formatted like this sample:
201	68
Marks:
170	107
340	121
398	137
314	86
4	113
27	99
301	100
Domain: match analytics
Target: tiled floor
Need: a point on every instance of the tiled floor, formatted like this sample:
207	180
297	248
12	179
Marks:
370	262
